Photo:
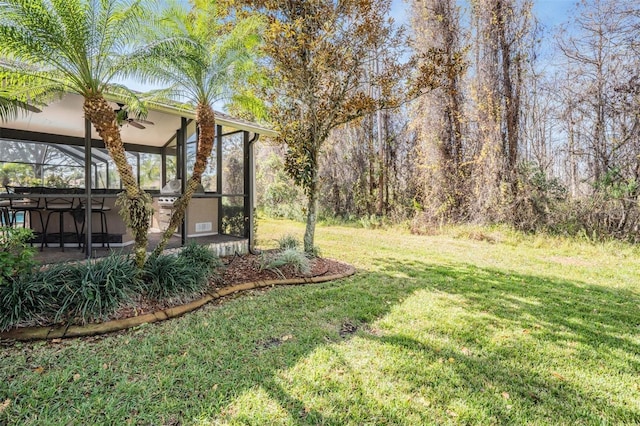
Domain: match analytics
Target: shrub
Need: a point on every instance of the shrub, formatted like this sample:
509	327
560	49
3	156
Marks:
174	276
64	292
233	220
25	300
16	256
373	222
95	289
290	257
199	256
288	242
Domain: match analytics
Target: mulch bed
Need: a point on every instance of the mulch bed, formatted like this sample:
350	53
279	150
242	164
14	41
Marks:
246	268
238	269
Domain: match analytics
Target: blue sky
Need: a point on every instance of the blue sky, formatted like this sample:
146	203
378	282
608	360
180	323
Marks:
549	12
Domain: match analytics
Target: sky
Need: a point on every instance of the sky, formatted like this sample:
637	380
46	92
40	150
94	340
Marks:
549	12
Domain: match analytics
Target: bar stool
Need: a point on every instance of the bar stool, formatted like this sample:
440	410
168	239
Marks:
59	206
28	205
97	206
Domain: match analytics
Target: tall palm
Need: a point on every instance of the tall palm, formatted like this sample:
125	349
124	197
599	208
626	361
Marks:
201	72
51	47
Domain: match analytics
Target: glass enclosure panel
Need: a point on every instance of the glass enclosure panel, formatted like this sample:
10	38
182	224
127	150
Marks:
62	166
209	177
150	171
171	153
32	163
209	181
233	216
232	164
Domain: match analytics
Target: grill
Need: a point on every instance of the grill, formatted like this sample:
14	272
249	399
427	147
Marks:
169	194
166	201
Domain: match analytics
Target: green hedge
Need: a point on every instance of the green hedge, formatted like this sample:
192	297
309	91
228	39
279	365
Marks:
91	291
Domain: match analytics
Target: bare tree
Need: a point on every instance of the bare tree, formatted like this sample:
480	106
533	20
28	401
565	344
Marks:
438	117
502	30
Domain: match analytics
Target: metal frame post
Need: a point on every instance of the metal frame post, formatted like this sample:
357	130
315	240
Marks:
87	189
183	179
219	174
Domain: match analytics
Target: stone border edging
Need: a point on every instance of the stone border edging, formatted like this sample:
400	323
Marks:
42	333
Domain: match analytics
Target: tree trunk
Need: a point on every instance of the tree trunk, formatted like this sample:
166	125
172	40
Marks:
206	120
136	210
312	207
382	169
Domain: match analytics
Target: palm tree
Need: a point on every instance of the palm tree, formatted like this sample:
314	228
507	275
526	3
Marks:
201	72
52	47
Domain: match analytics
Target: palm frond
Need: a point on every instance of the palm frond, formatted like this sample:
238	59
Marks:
80	42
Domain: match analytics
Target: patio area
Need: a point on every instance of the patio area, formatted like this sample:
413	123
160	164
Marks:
223	245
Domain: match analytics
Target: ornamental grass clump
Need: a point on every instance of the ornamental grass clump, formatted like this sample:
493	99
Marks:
291	258
26	301
92	291
78	293
203	257
180	276
288	242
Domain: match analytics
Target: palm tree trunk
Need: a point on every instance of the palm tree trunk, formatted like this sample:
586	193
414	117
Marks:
206	120
136	204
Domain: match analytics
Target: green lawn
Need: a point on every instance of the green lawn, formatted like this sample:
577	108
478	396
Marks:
468	327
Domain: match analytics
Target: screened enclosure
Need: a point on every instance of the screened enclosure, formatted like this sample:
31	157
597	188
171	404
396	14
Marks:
56	148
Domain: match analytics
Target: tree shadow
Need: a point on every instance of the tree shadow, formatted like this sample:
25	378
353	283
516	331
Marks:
592	314
596	326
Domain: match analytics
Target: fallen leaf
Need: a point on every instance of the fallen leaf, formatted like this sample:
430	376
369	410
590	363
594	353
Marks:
56	340
105	366
38	370
76	377
5	405
505	395
451	360
525	331
558	375
452	413
214	387
466	351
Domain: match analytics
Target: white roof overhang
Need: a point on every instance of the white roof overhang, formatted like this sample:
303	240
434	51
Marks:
66	118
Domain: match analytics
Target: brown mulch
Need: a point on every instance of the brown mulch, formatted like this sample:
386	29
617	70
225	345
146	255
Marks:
246	268
238	269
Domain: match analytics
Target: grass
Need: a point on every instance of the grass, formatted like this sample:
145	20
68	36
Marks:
473	326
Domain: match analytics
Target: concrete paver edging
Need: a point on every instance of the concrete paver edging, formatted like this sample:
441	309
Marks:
41	333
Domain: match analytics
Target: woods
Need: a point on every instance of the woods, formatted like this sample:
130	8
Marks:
532	126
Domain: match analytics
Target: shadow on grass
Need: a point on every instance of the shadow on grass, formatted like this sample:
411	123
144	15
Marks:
201	367
593	315
512	331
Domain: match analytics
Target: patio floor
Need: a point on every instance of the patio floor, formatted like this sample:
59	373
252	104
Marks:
56	255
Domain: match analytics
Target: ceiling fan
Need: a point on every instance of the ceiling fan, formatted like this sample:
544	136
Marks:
123	117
